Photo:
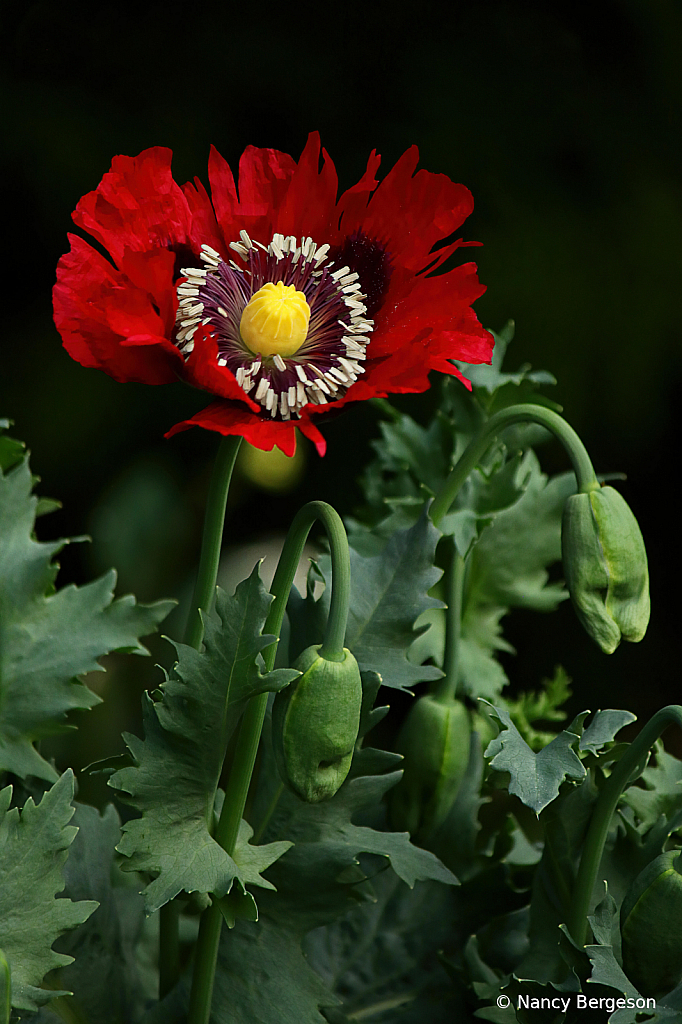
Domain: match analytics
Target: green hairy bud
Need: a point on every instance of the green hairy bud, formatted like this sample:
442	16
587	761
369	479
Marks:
434	741
650	927
605	566
315	723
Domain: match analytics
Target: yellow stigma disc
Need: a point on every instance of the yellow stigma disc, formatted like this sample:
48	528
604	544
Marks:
275	321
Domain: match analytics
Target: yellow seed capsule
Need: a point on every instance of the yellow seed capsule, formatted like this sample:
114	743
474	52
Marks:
275	320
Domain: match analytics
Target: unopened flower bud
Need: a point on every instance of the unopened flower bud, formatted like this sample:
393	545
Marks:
650	926
605	566
315	723
434	741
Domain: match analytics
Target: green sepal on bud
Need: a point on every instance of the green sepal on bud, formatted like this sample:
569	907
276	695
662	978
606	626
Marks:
605	566
434	740
650	926
315	723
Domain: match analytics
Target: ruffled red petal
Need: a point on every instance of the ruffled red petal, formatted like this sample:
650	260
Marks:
136	206
308	206
436	301
205	229
411	212
353	202
107	322
223	193
264	176
232	418
203	371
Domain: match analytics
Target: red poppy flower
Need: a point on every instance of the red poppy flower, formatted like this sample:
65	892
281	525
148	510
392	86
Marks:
281	301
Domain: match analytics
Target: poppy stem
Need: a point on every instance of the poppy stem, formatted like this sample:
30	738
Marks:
445	689
582	465
214	518
248	739
600	821
202	601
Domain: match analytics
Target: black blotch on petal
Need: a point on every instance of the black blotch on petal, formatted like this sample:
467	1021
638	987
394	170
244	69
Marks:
370	261
184	257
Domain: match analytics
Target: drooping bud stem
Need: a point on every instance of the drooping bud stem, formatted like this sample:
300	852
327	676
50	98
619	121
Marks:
246	749
582	466
598	829
331	649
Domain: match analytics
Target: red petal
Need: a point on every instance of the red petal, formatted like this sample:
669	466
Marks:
230	418
264	176
98	312
152	272
205	229
353	202
410	213
137	205
202	370
223	192
309	204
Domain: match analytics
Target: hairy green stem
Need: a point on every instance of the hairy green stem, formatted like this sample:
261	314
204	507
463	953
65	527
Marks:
246	750
602	814
445	689
582	466
202	601
214	518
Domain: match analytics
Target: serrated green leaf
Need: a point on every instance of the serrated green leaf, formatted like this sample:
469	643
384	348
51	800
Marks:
382	958
534	778
11	450
543	705
660	790
407	445
488	491
607	971
238	905
604	920
262	975
604	727
389	592
509	563
507	568
49	638
320	878
177	766
251	860
34	846
104	976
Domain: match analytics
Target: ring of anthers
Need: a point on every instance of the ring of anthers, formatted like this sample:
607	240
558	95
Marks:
290	329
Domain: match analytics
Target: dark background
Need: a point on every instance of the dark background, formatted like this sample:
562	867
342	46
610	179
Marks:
564	120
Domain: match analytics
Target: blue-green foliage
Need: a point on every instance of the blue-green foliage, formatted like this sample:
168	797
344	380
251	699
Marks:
330	914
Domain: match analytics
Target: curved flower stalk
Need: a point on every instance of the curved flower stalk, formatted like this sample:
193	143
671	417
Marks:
281	301
252	722
603	551
600	821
